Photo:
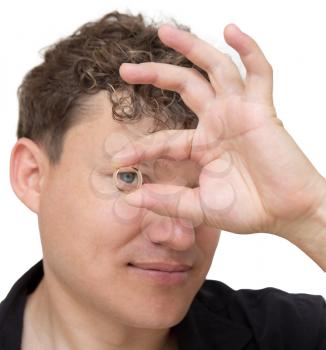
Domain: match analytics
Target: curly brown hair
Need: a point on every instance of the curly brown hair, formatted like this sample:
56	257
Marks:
85	63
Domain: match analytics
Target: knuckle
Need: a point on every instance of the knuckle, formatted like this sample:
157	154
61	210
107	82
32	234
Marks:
214	67
194	72
181	87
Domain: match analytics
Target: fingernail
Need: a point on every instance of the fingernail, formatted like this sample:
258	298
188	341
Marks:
236	27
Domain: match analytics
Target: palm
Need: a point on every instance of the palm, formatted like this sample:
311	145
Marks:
259	165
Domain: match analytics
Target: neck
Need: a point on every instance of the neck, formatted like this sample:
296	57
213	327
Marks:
53	320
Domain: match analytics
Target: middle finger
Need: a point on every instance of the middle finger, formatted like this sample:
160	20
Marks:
194	89
222	71
168	144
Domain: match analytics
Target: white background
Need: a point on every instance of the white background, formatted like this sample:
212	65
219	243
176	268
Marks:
292	36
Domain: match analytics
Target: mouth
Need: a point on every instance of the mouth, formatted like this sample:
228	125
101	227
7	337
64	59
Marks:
161	266
161	272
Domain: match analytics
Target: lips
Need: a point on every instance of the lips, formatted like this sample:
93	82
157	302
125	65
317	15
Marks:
161	266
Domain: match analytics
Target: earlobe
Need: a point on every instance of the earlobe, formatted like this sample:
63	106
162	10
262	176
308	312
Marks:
26	172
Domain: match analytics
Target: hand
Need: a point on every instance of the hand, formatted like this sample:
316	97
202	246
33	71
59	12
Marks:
254	177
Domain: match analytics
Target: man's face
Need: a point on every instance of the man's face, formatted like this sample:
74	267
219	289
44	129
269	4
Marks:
90	235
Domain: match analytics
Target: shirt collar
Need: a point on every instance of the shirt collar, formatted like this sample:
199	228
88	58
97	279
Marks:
205	325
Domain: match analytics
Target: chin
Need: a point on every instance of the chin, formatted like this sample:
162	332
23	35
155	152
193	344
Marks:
162	320
157	323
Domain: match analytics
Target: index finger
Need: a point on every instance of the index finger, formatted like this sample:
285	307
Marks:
223	73
207	57
171	144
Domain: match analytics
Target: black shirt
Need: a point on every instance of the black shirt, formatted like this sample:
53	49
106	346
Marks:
219	318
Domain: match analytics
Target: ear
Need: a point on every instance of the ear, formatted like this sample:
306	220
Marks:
28	167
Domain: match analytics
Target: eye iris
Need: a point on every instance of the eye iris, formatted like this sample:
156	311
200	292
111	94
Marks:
128	177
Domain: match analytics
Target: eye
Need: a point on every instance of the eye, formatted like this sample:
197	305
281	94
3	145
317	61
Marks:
127	176
127	179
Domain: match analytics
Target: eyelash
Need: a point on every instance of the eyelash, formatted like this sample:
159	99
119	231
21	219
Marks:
146	179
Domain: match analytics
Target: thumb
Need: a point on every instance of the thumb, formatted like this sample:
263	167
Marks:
168	200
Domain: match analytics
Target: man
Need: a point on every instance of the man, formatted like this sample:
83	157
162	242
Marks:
127	270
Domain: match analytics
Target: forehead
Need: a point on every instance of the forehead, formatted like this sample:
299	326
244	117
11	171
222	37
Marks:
97	110
99	136
97	132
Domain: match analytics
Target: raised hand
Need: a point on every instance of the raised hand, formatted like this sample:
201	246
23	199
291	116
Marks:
254	177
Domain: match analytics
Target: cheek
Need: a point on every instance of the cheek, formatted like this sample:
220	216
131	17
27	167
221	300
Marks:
84	240
207	239
84	243
114	224
208	236
84	232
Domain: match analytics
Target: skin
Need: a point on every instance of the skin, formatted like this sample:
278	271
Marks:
248	182
89	298
254	177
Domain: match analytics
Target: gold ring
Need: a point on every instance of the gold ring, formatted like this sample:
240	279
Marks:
127	169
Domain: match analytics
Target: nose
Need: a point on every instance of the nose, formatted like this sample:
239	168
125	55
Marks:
175	233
